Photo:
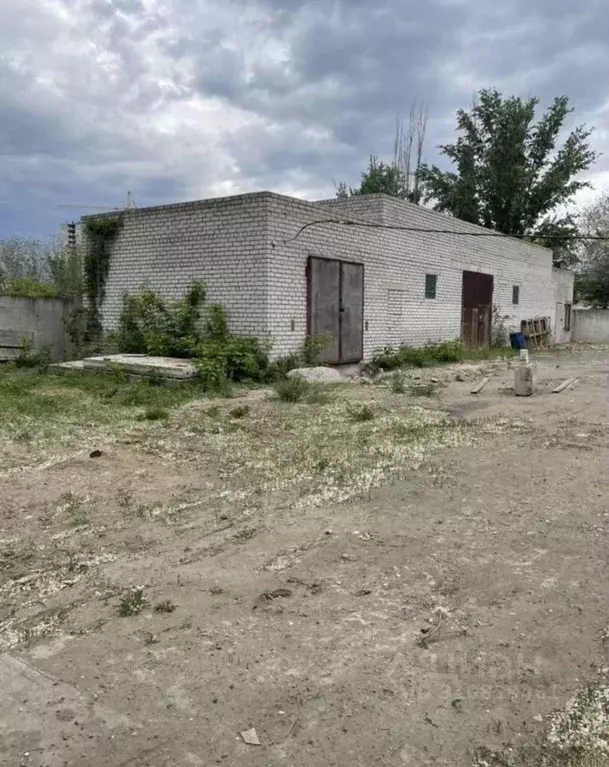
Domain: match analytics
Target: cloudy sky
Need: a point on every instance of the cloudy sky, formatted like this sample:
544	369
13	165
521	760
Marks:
182	99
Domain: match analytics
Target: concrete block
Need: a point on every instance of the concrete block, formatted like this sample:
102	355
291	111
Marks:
523	381
317	375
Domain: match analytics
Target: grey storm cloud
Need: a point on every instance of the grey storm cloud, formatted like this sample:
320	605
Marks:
177	99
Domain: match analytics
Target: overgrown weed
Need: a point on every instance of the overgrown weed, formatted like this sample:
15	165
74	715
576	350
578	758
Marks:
132	603
361	413
292	389
392	358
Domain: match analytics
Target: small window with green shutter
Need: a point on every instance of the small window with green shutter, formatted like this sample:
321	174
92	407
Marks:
431	283
515	294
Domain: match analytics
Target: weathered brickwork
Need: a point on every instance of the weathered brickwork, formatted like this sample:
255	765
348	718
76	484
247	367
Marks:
252	255
395	265
222	243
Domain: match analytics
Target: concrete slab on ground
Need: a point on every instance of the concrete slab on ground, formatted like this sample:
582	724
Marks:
134	364
74	366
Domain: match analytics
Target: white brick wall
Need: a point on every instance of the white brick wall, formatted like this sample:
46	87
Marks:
243	249
222	243
395	264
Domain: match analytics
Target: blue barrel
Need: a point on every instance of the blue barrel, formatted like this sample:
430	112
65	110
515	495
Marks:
518	341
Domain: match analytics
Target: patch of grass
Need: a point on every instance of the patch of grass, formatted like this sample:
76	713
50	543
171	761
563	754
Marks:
30	399
145	510
73	506
117	372
304	453
361	413
424	389
292	389
132	603
402	431
490	353
398	385
583	727
322	465
166	606
32	358
318	394
240	411
155	378
124	498
155	414
18	395
319	455
392	358
23	435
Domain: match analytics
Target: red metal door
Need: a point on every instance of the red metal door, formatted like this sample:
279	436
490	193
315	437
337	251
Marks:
477	309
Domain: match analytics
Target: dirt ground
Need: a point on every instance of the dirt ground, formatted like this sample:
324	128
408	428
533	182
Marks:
379	579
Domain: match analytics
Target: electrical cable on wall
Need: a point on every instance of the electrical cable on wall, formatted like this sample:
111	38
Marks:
423	230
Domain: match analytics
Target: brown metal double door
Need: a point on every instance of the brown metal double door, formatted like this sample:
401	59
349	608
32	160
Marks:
336	308
477	309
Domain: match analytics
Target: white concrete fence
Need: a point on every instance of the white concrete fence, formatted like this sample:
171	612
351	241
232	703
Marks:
39	321
591	326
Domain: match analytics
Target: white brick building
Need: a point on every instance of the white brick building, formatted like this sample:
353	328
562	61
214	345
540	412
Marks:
366	284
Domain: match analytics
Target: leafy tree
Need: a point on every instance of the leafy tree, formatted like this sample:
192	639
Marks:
379	178
558	233
39	268
399	178
509	174
23	258
592	283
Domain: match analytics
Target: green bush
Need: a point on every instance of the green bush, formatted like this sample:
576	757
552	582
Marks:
282	366
29	357
233	359
217	323
240	411
312	348
362	413
211	370
29	287
449	351
397	383
390	358
132	603
393	358
155	414
292	389
149	325
155	378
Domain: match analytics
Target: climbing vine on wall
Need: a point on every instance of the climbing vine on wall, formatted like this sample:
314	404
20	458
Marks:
100	234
